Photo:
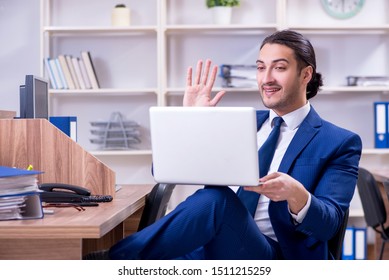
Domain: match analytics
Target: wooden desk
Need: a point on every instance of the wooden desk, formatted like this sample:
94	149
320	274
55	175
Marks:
69	233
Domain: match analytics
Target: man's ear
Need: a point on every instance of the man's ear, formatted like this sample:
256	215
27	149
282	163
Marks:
307	73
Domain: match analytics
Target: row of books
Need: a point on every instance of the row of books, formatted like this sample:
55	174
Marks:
238	75
68	72
19	195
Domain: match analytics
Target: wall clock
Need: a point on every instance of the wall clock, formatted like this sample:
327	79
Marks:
342	9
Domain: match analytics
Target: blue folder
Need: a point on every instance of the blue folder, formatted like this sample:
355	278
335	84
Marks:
360	242
67	125
6	171
348	244
381	124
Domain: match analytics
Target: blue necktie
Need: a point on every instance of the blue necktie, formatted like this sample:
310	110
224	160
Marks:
265	157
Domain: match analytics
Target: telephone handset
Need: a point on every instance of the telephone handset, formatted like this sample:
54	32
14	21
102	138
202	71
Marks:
59	187
66	193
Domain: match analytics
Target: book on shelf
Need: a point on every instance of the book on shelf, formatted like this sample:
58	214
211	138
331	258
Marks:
72	71
50	73
54	68
84	74
66	71
76	65
61	74
87	59
19	195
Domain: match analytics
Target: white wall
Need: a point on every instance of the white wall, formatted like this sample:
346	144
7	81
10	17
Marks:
19	49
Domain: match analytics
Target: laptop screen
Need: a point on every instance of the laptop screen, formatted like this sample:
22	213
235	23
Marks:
204	145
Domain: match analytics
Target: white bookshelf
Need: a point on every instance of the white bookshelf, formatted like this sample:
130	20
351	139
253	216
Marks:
145	64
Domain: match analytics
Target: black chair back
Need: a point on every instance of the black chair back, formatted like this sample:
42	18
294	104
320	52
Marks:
386	187
371	199
335	245
156	204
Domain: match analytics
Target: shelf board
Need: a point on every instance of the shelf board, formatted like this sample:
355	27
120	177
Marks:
356	213
102	92
180	90
213	27
341	29
260	28
99	29
375	151
148	152
324	90
351	89
121	153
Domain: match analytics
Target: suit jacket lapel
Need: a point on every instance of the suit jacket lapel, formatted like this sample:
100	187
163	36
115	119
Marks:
262	116
307	130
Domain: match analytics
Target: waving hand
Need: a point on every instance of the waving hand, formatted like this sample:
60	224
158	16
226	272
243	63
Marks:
198	91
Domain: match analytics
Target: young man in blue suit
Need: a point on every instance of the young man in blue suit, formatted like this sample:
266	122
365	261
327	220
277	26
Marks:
303	197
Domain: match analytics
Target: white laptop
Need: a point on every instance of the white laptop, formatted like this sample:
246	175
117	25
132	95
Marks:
204	145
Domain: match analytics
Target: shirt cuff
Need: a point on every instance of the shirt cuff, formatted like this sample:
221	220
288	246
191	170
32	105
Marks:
303	212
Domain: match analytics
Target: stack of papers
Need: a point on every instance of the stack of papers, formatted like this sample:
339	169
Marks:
19	197
365	81
239	76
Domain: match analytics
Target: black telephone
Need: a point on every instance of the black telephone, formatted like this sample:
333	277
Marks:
65	193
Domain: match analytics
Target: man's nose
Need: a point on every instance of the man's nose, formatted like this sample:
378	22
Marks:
266	77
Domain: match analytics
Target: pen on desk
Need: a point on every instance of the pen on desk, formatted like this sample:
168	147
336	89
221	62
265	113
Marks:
87	204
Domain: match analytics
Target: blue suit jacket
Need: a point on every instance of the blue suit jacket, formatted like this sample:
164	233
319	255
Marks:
325	159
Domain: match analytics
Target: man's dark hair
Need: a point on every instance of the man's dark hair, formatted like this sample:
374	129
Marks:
304	53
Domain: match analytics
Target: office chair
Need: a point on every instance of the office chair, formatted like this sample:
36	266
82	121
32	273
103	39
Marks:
335	245
386	187
156	204
373	205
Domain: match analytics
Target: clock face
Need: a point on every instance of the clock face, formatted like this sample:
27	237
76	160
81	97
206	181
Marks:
342	9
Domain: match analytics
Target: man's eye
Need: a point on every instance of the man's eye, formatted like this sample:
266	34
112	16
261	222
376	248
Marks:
260	68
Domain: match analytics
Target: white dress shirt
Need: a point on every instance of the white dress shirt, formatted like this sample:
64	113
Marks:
288	129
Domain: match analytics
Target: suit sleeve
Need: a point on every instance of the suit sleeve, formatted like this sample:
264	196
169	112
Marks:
334	191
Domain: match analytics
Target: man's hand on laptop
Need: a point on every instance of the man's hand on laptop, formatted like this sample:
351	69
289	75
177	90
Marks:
278	186
198	91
